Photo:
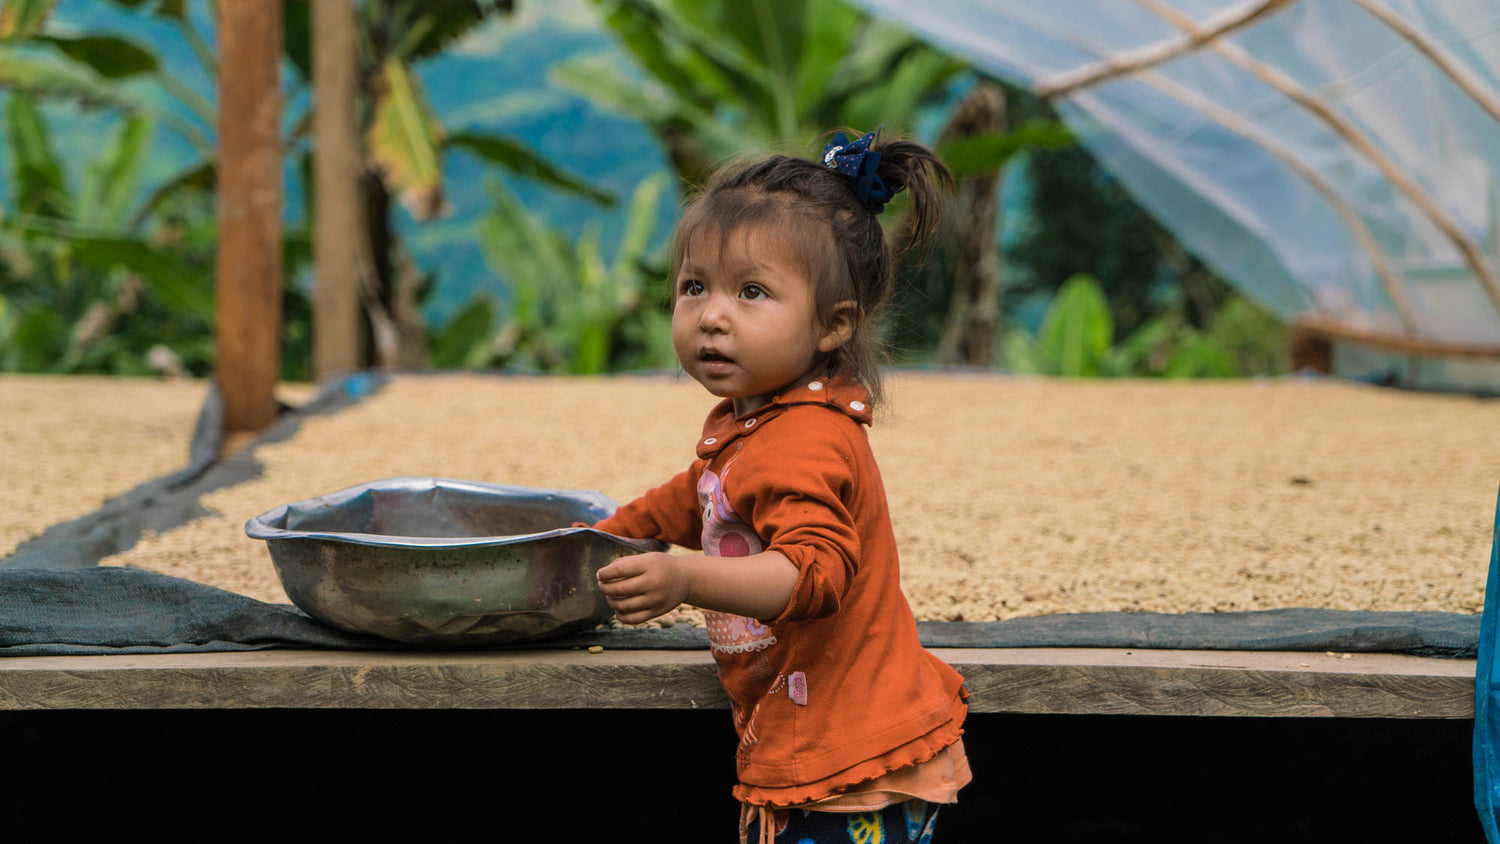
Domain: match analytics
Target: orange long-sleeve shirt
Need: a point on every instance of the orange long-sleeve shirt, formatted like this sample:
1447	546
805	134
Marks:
837	689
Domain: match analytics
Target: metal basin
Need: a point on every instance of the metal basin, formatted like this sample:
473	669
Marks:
433	561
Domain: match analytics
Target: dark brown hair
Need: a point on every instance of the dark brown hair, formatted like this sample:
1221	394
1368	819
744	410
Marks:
835	237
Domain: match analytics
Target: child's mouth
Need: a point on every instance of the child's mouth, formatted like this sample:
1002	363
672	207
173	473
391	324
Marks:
714	363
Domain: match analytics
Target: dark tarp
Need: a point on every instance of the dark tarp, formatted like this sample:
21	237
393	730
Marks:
128	611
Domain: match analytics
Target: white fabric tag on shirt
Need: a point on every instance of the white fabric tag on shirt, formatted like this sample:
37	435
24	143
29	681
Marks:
796	688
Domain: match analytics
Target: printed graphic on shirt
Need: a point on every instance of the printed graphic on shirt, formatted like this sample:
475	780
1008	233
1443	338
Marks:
724	535
797	688
736	634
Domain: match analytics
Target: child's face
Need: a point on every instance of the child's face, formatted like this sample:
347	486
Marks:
744	319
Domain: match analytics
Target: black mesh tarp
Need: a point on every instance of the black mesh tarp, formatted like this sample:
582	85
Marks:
117	610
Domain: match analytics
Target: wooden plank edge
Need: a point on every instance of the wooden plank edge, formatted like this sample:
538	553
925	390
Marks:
1081	681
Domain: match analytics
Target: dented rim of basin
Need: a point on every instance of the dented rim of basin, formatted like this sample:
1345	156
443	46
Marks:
311	518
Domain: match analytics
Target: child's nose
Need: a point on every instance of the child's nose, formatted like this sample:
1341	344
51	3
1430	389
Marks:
715	315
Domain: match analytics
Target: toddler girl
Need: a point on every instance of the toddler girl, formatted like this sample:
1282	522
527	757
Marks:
848	729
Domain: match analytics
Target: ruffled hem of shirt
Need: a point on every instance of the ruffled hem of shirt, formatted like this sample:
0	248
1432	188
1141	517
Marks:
914	752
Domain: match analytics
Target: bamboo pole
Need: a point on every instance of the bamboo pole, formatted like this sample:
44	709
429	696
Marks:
1361	233
1363	237
248	285
1151	55
1335	329
1435	54
1473	257
336	165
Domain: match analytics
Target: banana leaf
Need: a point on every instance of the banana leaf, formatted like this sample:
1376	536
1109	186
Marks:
200	176
32	342
175	9
75	83
22	19
602	82
522	161
1078	329
1199	357
404	141
110	180
642	31
36	176
430	26
462	340
177	288
640	225
109	56
990	152
824	48
710	53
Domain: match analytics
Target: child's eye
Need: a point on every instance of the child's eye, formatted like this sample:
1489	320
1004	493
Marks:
752	291
691	287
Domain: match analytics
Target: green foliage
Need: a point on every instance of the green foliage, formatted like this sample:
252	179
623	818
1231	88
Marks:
569	311
1078	329
726	79
1077	340
403	137
91	280
524	162
1254	339
23	18
89	283
35	171
404	140
95	279
1082	221
758	74
979	154
109	56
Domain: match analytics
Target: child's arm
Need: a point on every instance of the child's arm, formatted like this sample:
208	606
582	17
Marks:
668	513
643	586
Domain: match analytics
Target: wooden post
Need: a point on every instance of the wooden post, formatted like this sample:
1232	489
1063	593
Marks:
336	164
248	311
1309	350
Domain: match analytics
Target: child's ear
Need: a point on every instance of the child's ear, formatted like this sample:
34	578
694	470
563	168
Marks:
840	326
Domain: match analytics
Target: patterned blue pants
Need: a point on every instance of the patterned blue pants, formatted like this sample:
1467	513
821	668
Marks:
911	822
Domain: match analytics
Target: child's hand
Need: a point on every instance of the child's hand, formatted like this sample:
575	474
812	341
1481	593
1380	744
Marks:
641	587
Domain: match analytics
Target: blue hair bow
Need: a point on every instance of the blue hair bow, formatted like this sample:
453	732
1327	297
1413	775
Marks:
855	162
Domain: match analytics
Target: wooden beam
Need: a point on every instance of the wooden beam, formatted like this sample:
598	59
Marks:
336	165
1075	681
248	289
1329	328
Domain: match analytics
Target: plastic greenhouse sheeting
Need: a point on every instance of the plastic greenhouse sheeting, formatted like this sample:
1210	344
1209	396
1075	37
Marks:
1334	158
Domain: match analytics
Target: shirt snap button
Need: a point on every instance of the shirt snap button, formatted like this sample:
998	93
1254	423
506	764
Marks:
710	440
856	406
815	386
749	423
